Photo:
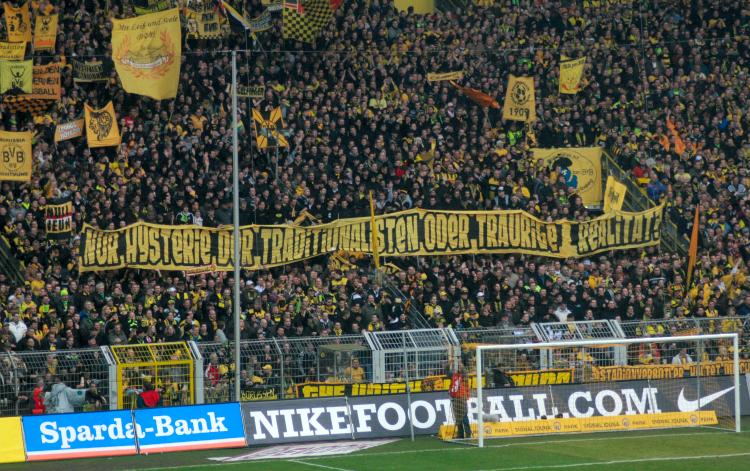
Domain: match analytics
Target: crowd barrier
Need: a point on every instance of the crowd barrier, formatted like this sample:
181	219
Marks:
235	425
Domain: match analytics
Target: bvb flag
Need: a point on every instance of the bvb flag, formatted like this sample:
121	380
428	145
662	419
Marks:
693	253
267	133
101	126
15	156
45	33
18	22
520	104
16	75
571	72
614	195
147	51
580	167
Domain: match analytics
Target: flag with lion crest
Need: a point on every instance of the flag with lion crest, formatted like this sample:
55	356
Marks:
101	126
147	52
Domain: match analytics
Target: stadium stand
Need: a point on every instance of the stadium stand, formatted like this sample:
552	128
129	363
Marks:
664	92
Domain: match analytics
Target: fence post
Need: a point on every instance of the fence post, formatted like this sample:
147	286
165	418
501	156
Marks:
114	397
198	384
408	386
16	380
282	385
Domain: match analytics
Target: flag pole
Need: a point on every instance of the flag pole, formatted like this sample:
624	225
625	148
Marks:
374	241
693	253
236	231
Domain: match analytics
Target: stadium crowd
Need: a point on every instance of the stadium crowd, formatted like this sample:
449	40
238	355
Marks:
666	89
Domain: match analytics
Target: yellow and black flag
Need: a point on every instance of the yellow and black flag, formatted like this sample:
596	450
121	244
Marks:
18	22
12	51
144	7
147	52
306	26
45	32
267	132
520	102
58	219
571	72
16	75
101	126
15	153
614	195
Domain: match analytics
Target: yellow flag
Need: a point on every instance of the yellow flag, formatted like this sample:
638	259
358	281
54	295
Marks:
45	32
443	76
571	72
16	74
12	51
101	126
267	133
15	156
520	104
580	167
18	22
614	195
147	51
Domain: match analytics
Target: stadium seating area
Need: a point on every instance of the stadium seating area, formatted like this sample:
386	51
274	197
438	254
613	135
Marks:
665	92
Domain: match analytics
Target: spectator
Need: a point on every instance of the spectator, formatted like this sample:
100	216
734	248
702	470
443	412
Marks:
149	397
682	358
94	400
355	373
61	398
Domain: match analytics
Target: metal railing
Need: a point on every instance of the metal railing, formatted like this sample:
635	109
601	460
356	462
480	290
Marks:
417	319
278	368
20	373
638	200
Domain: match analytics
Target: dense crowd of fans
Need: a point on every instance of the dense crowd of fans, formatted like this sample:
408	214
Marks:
665	90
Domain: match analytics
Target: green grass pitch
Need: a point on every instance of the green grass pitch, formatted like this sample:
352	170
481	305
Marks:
679	449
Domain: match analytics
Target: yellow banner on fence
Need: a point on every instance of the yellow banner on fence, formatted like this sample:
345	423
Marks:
541	377
580	166
590	424
15	156
642	372
571	73
45	33
321	389
407	233
614	195
520	103
147	52
12	51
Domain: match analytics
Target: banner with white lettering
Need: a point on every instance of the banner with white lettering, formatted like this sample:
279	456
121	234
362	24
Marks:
307	420
63	436
190	428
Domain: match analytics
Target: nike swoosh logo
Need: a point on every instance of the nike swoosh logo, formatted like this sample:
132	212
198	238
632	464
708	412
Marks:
690	406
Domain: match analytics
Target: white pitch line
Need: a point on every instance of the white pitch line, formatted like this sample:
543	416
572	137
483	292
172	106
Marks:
507	445
318	465
614	462
451	449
